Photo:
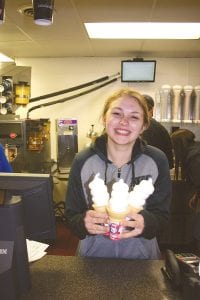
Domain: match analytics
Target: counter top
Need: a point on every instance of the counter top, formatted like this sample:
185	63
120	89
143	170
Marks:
71	277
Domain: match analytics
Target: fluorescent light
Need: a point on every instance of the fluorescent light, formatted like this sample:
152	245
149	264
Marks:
148	30
4	58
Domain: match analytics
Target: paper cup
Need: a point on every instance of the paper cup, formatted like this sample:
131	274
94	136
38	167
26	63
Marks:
117	216
115	222
99	208
134	210
103	210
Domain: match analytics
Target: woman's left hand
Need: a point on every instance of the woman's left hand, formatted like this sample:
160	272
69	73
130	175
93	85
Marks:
136	222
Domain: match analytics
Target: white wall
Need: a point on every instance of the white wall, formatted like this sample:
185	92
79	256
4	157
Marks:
54	74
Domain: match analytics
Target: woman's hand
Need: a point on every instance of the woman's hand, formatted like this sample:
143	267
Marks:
136	222
96	222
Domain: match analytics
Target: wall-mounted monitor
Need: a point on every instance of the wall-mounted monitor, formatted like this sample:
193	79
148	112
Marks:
36	191
138	70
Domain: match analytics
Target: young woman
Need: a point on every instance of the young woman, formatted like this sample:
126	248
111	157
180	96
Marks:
119	153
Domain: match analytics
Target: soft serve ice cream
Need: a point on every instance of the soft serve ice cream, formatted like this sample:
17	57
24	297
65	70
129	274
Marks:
118	207
99	192
121	202
119	197
139	194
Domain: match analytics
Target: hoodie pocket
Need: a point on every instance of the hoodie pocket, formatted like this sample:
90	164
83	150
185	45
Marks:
139	248
97	246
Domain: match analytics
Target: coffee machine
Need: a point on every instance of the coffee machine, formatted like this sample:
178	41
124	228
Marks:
27	144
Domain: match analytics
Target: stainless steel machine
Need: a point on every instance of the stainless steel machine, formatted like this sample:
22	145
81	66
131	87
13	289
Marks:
27	144
67	143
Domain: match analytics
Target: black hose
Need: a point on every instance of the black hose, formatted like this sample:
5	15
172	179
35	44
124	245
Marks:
74	88
71	97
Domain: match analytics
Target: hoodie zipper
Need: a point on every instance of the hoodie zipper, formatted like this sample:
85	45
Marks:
119	173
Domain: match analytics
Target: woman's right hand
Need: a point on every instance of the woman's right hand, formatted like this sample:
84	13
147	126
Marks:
96	222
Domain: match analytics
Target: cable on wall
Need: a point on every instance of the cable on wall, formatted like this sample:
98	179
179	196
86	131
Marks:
71	97
96	81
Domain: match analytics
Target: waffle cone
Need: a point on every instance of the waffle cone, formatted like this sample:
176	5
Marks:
116	216
134	210
99	208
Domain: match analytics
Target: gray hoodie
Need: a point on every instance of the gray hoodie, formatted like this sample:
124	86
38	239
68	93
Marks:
146	161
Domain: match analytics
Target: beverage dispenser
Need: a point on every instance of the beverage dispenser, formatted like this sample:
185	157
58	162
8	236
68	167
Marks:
27	144
38	150
67	143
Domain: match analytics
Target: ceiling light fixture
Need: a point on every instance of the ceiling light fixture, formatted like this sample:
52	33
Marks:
140	30
43	12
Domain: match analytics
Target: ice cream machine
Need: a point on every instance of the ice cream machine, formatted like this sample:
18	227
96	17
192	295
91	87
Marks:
67	143
27	144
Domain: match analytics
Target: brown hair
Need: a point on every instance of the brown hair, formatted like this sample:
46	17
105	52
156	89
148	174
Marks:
133	94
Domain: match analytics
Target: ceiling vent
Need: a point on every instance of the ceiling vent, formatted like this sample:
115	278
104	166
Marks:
26	10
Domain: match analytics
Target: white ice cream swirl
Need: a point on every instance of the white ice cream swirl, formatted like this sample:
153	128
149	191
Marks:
119	196
139	194
99	191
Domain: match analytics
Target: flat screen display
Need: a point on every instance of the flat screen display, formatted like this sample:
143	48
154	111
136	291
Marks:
36	191
138	71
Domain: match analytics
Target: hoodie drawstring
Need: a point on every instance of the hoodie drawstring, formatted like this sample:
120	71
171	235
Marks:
119	175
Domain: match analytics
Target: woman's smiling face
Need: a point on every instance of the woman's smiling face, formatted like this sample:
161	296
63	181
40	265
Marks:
124	120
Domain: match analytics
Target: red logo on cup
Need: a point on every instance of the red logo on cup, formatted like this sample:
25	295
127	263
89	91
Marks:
12	135
115	230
